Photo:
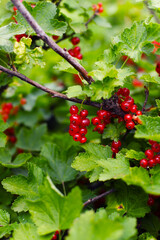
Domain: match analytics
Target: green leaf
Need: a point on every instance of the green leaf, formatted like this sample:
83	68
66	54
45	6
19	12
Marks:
97	226
74	91
57	212
131	200
132	38
7	32
4	217
26	57
152	79
59	162
149	129
132	154
5	228
146	236
6	159
113	131
65	66
114	168
3	140
151	224
102	22
3	125
44	201
31	139
27	231
45	20
103	89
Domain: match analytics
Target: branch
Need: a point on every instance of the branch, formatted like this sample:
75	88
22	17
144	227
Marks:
146	99
45	89
108	104
92	200
63	53
152	12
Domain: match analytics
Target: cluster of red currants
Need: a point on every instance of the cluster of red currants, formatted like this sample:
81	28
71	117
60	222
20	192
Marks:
152	158
8	109
98	8
115	146
127	104
55	236
78	124
76	51
10	132
101	120
151	199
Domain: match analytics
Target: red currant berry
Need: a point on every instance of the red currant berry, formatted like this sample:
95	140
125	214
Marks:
133	108
73	109
5	117
125	106
23	101
125	92
157	159
13	139
77	137
151	162
57	232
71	52
100	128
83	140
150	201
128	117
55	37
71	133
130	125
102	114
120	119
75	40
75	119
156	147
151	142
116	144
83	131
96	121
107	121
54	237
138	113
115	150
129	100
76	50
144	163
85	122
100	4
100	10
74	128
79	56
94	7
84	113
119	92
149	153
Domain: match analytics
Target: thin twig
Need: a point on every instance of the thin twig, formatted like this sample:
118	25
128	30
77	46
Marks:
92	200
65	36
63	53
146	99
109	104
152	12
91	18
